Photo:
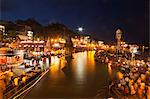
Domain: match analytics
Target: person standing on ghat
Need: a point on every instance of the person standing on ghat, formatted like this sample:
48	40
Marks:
10	74
16	80
2	84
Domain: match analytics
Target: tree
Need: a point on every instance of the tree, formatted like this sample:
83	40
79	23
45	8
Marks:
53	30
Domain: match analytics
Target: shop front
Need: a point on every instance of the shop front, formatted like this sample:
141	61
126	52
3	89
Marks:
10	57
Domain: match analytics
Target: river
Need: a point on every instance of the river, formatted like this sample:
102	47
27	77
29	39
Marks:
82	77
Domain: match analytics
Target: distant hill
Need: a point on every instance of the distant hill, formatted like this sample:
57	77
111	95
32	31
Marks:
53	30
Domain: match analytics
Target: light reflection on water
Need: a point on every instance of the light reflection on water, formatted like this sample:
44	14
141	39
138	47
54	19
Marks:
79	68
79	65
91	61
81	77
55	68
57	63
110	71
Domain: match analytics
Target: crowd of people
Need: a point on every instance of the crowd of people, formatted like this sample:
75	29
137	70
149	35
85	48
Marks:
134	79
132	76
9	79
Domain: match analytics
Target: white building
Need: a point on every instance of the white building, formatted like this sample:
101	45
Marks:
2	32
2	28
30	35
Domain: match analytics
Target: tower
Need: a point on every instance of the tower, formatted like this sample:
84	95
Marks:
118	37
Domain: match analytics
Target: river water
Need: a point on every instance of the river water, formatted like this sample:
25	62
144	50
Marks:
82	77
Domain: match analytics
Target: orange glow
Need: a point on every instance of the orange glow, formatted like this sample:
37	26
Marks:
91	60
3	60
119	75
56	67
52	40
110	70
55	40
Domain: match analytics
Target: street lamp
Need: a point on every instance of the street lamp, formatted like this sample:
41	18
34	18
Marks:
133	50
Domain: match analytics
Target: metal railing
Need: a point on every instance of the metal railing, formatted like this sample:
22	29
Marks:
17	89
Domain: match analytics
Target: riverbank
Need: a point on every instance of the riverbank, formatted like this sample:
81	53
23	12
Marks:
19	90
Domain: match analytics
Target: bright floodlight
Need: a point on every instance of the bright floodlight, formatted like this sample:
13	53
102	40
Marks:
80	29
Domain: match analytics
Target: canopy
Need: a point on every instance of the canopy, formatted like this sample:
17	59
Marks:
23	37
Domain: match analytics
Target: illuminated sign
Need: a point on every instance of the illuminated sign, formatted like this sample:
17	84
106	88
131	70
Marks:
30	35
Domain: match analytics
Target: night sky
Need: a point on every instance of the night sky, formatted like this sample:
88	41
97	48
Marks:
100	18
